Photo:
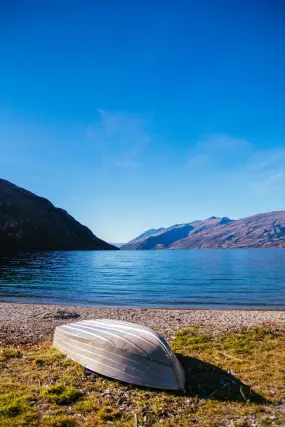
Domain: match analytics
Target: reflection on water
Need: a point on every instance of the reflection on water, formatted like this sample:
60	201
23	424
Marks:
205	278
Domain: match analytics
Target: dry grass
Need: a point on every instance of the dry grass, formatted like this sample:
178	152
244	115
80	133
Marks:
234	379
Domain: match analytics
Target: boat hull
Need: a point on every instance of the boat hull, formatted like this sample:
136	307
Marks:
123	351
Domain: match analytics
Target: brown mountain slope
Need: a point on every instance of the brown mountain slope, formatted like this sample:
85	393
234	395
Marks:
165	237
30	222
262	230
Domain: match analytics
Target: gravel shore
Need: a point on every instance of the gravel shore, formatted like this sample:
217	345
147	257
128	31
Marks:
32	323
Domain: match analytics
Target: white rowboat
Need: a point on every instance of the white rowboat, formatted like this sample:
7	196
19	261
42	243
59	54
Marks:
123	351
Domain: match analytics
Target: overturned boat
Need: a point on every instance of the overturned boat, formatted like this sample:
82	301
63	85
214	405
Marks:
123	351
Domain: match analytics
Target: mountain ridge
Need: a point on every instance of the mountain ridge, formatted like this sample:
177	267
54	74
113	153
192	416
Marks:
146	234
260	230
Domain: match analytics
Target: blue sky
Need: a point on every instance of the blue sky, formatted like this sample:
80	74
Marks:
133	115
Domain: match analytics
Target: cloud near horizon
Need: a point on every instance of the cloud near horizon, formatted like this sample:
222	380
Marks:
219	151
239	160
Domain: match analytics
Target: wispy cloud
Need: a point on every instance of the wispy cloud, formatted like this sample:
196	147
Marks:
238	161
266	170
119	138
219	151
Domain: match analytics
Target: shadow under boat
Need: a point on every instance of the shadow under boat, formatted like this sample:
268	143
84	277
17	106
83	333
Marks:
208	381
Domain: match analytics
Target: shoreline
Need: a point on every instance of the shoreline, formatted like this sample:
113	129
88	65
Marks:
198	307
29	323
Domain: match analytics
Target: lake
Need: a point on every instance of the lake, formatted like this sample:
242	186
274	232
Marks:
239	278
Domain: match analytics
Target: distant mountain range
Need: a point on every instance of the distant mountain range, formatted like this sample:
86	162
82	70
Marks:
118	245
30	222
258	231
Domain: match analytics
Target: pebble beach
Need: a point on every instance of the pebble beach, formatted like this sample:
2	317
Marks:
33	323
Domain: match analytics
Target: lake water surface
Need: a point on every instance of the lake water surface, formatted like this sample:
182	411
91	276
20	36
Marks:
253	278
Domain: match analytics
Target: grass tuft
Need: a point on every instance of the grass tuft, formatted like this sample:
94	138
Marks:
86	406
12	409
108	413
38	361
189	338
9	353
61	394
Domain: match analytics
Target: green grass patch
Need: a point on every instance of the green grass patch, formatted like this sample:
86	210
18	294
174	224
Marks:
9	353
87	405
12	408
61	394
235	378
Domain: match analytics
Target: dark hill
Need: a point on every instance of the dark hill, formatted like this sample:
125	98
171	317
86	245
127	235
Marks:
30	222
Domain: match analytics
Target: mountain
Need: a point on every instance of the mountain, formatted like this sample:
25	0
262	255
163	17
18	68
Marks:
30	222
257	231
146	234
142	236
